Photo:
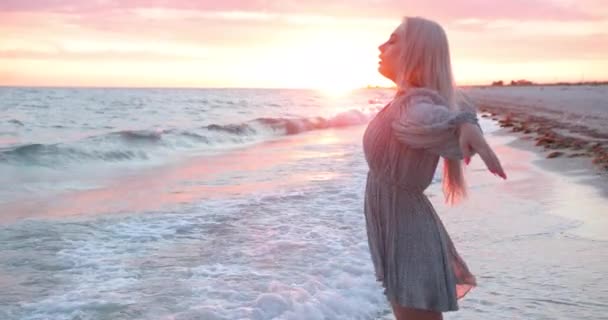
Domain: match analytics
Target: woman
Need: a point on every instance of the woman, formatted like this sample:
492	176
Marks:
413	255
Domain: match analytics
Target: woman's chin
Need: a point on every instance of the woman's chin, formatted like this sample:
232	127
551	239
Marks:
385	74
381	71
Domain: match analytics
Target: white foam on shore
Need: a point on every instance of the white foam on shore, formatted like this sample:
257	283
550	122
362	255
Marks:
281	256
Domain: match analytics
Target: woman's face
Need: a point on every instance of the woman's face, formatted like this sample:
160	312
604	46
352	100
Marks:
389	55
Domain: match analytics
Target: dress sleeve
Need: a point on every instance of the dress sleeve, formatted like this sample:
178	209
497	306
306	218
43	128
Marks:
423	124
466	105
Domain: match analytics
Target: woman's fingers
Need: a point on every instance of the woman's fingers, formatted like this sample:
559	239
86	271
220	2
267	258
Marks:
471	142
492	163
489	158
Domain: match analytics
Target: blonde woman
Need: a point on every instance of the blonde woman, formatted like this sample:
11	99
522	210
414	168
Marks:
412	253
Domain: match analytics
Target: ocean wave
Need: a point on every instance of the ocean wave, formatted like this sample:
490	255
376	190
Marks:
128	145
298	125
139	135
53	154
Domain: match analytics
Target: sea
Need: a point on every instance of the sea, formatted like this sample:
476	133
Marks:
153	203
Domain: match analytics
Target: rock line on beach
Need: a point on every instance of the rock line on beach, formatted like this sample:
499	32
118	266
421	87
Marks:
552	134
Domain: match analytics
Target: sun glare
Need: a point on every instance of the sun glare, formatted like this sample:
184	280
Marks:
317	60
336	91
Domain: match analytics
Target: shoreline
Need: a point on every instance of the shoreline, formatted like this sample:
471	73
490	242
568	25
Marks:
575	141
583	157
582	169
565	126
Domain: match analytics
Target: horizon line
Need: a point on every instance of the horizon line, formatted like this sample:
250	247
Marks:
505	84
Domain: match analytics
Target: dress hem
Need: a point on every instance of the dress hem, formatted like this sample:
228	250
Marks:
456	307
407	304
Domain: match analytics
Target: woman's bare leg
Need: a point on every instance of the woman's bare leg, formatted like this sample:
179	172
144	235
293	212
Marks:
402	313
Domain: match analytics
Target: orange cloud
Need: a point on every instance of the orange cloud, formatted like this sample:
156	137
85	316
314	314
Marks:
287	44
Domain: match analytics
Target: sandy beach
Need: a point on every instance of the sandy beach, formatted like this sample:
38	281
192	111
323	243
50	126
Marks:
563	121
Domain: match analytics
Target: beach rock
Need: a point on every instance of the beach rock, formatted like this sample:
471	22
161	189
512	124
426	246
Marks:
554	154
601	157
506	122
576	155
544	141
578	145
596	145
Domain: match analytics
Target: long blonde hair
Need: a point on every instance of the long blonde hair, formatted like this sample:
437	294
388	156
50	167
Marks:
425	62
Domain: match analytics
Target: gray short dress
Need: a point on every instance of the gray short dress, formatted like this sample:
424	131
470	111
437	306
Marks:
412	253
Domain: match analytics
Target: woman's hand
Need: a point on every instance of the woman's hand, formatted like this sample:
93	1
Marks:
472	141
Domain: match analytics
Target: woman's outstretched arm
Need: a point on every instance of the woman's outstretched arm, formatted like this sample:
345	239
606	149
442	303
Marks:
471	141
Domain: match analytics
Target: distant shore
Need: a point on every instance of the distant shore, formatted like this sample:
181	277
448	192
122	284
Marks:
524	83
515	83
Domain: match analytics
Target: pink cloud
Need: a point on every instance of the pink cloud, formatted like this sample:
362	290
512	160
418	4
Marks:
188	22
56	31
136	55
439	9
532	48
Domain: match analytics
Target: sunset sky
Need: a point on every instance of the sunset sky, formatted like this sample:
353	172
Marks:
288	43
